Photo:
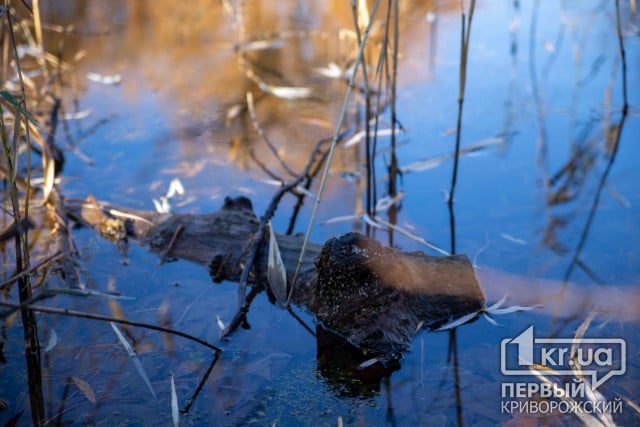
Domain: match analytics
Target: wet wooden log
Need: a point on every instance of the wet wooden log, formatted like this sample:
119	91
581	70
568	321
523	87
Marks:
374	297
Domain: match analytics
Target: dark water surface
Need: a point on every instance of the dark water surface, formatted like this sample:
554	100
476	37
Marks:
544	88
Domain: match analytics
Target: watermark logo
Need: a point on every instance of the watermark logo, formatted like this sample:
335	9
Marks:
599	358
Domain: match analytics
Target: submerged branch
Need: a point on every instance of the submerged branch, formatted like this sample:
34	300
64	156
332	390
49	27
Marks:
84	315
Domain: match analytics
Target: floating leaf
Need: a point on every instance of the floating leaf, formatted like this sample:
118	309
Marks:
262	45
289	92
490	320
510	238
358	137
220	323
423	165
333	71
105	79
337	219
134	357
162	205
386	202
53	340
175	413
175	188
368	363
498	303
460	321
512	309
276	272
85	388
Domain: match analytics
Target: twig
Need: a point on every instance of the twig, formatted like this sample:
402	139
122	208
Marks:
172	242
84	315
30	270
464	54
203	381
334	142
256	246
263	135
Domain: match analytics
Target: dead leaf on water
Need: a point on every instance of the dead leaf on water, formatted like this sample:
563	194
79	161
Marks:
134	357
85	388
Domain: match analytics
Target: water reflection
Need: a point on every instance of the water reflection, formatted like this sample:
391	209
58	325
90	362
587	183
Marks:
549	88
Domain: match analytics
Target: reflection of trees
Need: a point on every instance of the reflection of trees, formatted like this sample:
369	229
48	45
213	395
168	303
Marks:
578	178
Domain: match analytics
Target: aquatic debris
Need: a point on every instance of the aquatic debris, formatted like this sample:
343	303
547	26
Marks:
175	412
175	189
134	357
53	340
513	239
105	79
494	309
85	388
285	92
220	323
358	137
368	363
276	272
458	322
432	162
332	71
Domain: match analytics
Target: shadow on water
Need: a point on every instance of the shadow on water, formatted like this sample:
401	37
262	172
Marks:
544	177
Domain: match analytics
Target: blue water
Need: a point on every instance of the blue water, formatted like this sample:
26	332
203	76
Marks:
167	120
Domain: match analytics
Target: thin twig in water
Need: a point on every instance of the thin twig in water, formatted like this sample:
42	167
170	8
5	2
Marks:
263	135
31	269
84	315
172	242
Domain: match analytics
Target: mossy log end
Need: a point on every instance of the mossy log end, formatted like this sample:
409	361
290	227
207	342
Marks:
373	296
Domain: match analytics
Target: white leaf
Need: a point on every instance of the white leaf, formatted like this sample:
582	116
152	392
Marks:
162	205
386	202
134	357
333	71
276	272
368	363
105	79
220	323
262	45
175	413
510	238
498	303
423	165
512	309
175	188
53	340
289	92
490	320
344	218
460	321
